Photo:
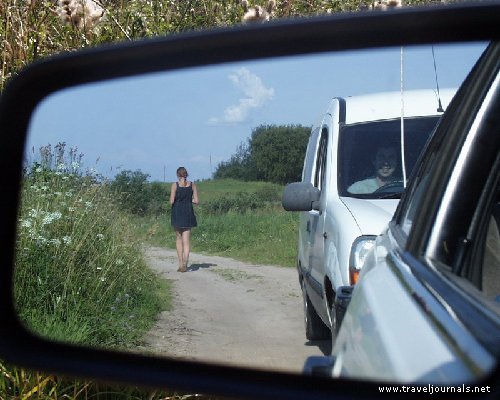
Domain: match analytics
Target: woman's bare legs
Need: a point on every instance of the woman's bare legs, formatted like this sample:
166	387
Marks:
178	245
182	237
186	235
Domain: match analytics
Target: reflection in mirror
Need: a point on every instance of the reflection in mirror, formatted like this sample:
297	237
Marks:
96	254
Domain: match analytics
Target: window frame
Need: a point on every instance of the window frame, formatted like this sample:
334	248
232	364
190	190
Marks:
321	157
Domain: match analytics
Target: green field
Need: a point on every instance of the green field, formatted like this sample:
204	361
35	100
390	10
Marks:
214	189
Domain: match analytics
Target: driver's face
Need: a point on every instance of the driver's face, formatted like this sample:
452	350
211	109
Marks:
385	162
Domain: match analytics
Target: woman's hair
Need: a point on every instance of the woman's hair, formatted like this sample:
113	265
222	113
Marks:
182	172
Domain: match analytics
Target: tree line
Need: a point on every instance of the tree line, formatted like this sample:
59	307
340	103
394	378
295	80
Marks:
273	153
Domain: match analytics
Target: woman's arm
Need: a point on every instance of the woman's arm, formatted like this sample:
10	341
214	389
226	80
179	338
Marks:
172	193
195	194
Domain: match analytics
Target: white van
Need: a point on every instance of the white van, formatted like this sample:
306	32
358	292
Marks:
356	166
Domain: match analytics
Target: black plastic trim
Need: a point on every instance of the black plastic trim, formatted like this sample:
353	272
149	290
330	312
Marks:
314	284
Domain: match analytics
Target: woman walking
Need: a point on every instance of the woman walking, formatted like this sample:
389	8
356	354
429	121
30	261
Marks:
183	195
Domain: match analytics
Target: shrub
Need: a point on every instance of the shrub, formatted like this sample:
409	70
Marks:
135	195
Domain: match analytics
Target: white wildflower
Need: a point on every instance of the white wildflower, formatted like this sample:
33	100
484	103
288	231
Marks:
119	262
40	240
33	213
82	14
66	239
51	217
55	242
100	236
26	223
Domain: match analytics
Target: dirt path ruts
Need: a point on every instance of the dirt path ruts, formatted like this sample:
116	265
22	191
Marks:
231	312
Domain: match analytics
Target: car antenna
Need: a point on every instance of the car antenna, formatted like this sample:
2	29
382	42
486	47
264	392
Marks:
403	166
440	107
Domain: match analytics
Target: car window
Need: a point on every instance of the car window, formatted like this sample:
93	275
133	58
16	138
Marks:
483	267
307	171
319	175
414	197
490	268
477	272
454	196
367	148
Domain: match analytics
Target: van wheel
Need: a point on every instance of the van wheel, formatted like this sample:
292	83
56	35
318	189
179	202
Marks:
315	328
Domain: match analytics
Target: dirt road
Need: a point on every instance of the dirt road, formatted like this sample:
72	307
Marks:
231	312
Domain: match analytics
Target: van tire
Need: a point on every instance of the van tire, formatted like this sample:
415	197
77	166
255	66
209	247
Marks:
315	328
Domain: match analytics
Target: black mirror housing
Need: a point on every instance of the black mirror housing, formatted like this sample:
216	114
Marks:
300	196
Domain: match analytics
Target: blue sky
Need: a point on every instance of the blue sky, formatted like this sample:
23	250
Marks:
196	118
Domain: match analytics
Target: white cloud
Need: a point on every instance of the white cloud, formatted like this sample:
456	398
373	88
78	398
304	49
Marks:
255	95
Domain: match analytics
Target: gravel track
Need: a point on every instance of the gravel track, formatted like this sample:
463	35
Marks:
231	312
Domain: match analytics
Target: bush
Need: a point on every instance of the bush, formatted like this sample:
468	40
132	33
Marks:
137	196
269	193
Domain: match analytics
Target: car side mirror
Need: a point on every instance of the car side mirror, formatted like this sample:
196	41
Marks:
111	65
300	196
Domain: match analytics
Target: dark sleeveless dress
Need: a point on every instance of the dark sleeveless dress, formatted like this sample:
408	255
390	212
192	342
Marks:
182	210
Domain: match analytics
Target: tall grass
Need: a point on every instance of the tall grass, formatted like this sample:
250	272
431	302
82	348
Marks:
264	237
32	29
20	384
79	273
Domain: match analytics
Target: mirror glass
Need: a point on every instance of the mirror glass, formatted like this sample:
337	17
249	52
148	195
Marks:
96	254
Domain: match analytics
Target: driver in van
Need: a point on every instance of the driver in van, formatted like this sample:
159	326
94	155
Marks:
385	163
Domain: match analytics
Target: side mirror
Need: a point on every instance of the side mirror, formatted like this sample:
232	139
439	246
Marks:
136	62
300	196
